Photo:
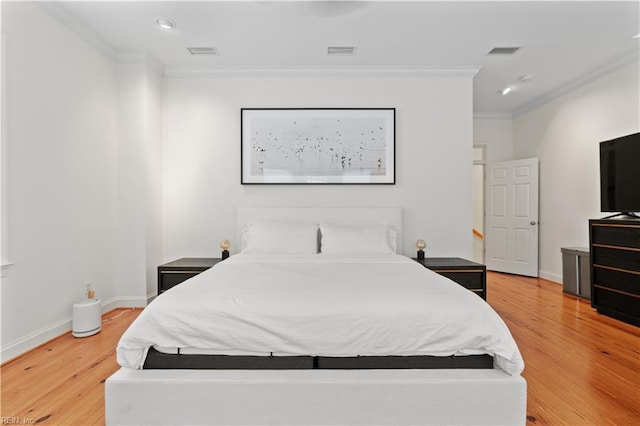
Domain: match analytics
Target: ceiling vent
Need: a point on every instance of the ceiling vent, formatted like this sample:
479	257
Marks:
504	50
341	50
202	50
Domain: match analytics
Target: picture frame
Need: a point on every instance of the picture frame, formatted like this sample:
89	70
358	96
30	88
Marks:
317	146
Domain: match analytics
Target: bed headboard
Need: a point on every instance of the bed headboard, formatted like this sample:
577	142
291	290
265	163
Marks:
313	215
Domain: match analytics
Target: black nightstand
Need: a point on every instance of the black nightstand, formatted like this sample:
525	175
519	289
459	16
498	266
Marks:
173	273
470	275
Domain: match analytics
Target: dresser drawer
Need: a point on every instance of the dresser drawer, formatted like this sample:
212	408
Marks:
170	279
616	235
615	279
472	279
614	302
616	258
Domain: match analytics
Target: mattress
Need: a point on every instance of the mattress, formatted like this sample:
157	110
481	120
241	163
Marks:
157	360
320	306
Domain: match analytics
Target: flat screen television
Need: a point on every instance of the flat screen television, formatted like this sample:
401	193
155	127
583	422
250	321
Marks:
620	174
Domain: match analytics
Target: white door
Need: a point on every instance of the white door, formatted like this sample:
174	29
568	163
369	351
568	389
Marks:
511	228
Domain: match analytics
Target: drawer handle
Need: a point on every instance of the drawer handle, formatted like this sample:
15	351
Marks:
616	247
595	265
180	272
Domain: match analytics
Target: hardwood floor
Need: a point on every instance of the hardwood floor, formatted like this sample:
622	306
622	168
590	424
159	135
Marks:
62	381
581	368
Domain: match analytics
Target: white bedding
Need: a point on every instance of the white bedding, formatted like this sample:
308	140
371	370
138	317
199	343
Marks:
320	305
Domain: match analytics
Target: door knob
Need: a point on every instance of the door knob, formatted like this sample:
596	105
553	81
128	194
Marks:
533	222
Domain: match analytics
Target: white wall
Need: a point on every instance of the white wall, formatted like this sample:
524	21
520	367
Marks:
565	134
83	147
496	133
61	180
139	180
202	156
153	177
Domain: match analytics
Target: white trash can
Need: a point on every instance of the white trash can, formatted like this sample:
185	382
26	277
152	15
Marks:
86	318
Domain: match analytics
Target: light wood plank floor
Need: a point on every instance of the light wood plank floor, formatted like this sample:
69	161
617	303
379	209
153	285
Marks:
581	368
62	382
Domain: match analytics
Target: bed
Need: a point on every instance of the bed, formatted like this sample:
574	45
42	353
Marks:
282	334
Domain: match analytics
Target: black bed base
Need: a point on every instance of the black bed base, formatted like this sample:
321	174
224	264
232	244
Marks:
158	360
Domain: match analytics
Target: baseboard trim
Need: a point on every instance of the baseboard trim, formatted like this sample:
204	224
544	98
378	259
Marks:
40	337
125	302
550	276
33	340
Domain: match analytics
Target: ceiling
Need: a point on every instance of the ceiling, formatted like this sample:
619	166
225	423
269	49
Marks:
563	44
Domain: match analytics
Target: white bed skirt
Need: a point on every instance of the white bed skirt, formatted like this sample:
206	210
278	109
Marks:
315	397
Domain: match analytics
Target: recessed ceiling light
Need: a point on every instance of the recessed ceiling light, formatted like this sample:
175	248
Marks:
526	78
636	36
505	91
165	23
341	50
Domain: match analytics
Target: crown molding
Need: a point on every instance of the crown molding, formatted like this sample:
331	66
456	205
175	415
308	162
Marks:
140	59
632	55
493	116
62	15
209	72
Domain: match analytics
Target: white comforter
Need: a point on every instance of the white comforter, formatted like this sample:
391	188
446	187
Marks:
320	305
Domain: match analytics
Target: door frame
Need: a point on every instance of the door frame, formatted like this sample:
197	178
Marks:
480	159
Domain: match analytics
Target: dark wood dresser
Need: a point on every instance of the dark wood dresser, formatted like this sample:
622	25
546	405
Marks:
470	275
615	268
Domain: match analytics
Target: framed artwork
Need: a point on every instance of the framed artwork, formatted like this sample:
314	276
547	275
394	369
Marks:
318	146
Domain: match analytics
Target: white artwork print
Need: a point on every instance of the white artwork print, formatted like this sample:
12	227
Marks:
318	146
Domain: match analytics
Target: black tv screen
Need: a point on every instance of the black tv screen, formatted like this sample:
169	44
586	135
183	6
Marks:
620	174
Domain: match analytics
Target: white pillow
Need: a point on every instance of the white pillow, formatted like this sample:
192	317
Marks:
357	239
280	238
